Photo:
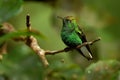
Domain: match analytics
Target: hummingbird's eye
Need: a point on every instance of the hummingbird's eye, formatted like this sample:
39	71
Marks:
68	20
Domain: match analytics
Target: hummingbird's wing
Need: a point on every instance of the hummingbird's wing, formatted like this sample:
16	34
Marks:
83	38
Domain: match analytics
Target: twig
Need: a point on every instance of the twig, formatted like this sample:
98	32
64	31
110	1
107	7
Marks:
69	49
32	42
28	22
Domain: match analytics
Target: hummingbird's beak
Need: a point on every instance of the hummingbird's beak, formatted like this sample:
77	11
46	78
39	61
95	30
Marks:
60	17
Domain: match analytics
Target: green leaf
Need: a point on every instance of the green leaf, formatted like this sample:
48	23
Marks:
18	34
9	8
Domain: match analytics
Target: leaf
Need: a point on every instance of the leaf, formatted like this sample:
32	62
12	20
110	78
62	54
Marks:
9	8
17	34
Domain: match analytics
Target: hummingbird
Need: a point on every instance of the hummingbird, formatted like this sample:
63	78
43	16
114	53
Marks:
72	35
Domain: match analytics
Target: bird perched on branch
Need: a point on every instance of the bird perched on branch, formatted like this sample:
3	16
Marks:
72	35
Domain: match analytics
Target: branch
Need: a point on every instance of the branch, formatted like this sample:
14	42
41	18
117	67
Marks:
32	42
69	49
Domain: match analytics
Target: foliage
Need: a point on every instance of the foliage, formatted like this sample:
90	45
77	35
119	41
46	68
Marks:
98	18
9	8
103	70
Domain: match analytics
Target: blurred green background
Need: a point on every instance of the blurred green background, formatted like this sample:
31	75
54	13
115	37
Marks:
98	18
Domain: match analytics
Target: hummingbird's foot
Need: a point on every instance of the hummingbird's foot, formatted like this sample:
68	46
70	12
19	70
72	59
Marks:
67	49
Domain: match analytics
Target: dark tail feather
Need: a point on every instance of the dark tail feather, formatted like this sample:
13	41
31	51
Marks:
85	53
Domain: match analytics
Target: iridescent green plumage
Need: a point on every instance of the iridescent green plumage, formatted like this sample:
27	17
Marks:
73	36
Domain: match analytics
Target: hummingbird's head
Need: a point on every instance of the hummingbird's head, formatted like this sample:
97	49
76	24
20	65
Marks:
68	19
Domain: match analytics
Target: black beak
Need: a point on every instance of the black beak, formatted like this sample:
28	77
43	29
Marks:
60	17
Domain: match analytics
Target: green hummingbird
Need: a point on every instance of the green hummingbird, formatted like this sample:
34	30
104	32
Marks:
72	35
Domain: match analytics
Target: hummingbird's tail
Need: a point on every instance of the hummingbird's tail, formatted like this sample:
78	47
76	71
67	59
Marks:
85	52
